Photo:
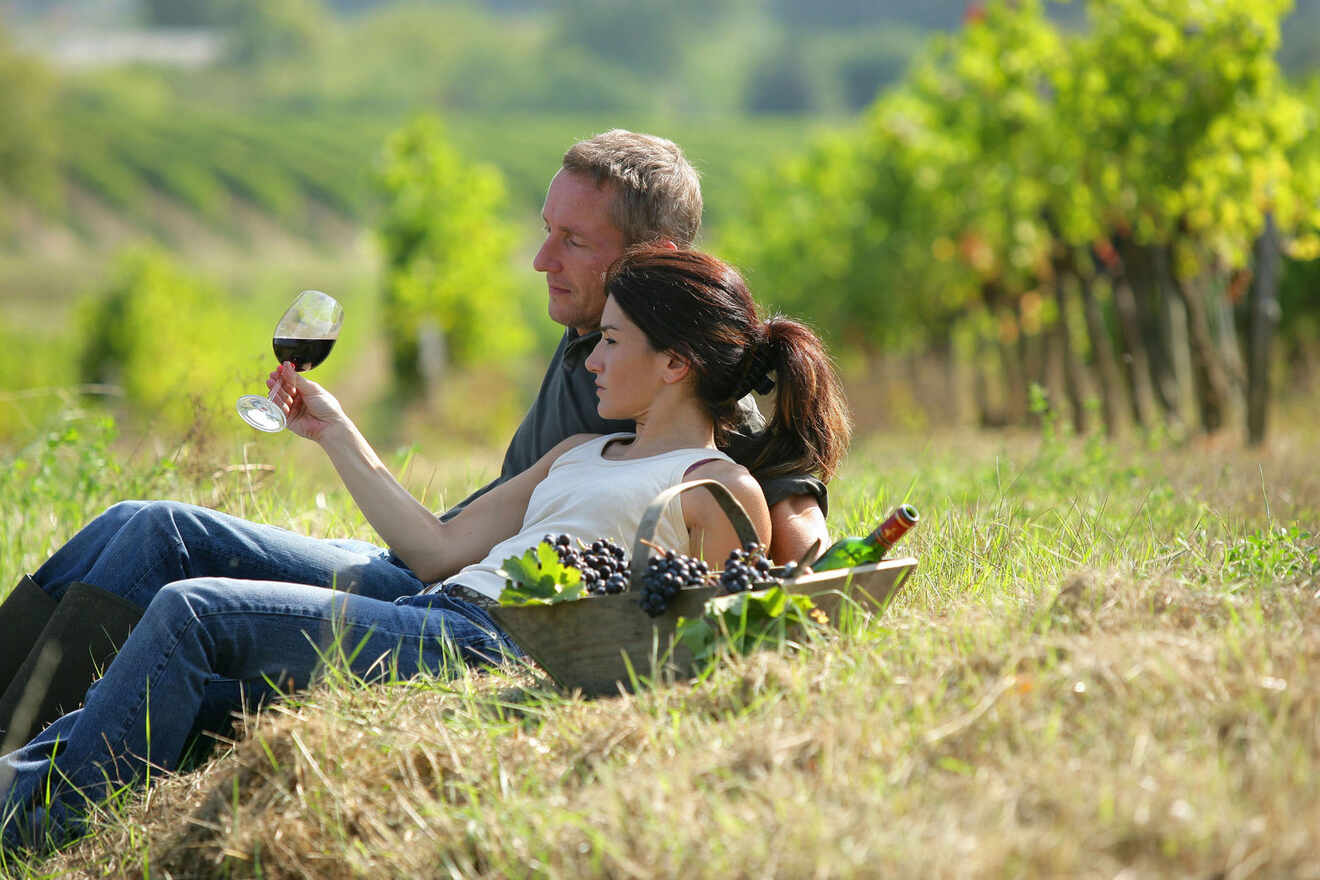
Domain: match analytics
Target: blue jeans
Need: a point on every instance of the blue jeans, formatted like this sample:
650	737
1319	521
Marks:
207	643
137	547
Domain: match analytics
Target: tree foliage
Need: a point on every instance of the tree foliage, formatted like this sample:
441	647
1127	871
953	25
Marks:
260	31
266	31
648	36
991	183
1189	110
448	288
156	331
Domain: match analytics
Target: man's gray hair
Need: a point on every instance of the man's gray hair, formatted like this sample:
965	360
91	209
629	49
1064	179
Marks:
657	194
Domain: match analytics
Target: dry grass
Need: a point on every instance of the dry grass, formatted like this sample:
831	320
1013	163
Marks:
1106	666
1130	736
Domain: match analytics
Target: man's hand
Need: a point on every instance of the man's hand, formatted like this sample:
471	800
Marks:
309	408
794	523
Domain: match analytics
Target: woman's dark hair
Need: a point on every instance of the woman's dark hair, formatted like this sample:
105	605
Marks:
699	308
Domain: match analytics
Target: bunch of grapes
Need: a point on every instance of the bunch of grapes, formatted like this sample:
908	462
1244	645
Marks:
666	574
745	567
604	564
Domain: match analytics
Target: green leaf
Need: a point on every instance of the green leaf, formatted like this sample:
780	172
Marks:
539	578
744	622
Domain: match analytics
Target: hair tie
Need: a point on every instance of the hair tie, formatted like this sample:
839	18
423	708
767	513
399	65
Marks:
757	377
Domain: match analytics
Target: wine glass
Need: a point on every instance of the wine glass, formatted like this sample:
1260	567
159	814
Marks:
303	336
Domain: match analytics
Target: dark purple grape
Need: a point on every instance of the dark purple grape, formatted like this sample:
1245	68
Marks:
667	574
746	568
603	563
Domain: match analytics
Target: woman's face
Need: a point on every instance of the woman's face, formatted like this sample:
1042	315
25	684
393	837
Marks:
629	373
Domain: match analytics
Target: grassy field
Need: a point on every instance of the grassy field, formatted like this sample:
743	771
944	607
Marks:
1106	665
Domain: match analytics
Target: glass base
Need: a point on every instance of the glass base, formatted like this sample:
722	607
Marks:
260	413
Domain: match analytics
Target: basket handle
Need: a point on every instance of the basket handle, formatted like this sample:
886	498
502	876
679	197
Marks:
742	523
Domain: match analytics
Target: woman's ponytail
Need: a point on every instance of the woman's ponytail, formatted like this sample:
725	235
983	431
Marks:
700	308
810	427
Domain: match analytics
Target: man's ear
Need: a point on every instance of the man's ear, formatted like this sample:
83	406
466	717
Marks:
666	243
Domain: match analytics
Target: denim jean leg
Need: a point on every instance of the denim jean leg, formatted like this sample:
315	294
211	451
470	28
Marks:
198	630
223	700
135	548
24	773
72	561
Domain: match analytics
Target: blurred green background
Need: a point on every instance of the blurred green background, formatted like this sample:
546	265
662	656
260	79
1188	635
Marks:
1103	212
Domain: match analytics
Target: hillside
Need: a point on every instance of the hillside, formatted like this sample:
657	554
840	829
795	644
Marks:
238	155
217	185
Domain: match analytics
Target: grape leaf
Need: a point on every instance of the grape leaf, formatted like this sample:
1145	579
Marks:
538	578
746	621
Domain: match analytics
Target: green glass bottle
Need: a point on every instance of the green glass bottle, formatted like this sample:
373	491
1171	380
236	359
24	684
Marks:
847	552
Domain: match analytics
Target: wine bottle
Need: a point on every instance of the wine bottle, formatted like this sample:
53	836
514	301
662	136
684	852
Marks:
847	552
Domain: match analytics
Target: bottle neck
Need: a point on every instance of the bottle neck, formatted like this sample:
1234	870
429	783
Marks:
888	532
883	536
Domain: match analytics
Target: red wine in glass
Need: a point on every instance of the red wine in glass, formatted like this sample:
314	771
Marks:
303	336
302	353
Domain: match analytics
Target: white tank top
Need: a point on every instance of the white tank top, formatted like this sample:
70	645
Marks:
589	497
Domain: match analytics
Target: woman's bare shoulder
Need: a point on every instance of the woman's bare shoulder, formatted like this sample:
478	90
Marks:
706	519
725	470
736	478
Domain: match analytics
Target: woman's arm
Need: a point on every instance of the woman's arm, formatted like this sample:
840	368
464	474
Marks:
710	533
431	548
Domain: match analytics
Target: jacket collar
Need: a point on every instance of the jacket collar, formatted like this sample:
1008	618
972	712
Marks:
578	348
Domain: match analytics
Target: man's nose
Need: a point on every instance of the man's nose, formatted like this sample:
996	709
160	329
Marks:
545	259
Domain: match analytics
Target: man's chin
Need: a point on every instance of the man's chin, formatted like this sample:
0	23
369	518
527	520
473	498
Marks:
561	315
572	323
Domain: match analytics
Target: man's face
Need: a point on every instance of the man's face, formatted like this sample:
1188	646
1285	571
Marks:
580	244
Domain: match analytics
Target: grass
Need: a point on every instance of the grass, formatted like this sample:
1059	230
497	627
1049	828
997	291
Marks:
1105	665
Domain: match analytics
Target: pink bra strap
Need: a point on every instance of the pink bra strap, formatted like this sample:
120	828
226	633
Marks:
697	464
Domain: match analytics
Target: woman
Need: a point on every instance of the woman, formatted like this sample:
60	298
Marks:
681	344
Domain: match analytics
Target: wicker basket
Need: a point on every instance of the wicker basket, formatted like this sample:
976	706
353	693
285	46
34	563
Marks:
602	644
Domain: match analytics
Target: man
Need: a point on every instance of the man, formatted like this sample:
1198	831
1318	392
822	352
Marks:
613	190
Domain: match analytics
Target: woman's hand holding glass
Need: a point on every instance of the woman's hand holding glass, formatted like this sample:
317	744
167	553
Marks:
309	410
